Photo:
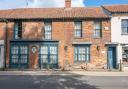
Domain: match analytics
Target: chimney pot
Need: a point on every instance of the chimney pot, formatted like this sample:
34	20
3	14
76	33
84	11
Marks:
67	3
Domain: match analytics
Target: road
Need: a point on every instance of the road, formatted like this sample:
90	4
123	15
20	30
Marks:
60	80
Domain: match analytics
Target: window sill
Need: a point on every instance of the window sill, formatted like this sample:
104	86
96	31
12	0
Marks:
77	62
97	37
78	37
17	39
124	34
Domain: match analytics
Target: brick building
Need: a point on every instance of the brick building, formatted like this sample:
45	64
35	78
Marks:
37	38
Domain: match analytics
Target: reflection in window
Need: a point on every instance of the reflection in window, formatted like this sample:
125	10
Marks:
124	26
78	29
97	29
48	30
82	54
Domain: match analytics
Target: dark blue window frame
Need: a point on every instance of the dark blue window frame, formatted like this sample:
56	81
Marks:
18	30
97	33
82	54
124	26
48	54
19	55
78	29
48	30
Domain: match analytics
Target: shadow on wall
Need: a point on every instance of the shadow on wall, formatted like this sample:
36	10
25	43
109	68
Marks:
2	32
63	81
32	31
1	35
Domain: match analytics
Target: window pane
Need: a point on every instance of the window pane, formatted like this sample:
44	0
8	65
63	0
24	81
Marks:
77	33
125	30
53	54
83	50
75	57
87	54
53	50
97	33
82	54
78	25
47	35
77	29
23	50
23	54
75	50
53	59
14	54
15	50
15	61
44	50
24	59
48	28
124	23
44	59
83	57
18	30
44	54
124	26
97	29
97	25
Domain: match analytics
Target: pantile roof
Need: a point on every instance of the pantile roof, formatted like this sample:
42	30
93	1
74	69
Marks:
51	13
117	8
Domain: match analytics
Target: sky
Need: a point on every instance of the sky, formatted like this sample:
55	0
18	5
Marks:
10	4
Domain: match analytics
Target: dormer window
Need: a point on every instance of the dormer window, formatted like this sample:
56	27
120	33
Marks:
18	30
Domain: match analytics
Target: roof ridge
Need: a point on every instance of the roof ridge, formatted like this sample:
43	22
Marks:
114	5
48	8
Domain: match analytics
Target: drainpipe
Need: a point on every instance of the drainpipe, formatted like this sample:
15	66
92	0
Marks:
6	42
120	65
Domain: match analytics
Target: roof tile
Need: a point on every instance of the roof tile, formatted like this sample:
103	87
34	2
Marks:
76	12
117	8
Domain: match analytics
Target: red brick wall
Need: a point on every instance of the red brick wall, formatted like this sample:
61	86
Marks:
2	30
63	31
32	30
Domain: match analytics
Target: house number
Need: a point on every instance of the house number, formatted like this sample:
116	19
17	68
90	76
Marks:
34	49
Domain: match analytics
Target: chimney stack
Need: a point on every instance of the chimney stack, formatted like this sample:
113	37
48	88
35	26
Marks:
67	3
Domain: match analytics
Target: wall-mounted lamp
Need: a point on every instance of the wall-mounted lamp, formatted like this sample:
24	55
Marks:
98	47
66	48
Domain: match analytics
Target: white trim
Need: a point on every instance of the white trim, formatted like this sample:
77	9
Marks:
1	42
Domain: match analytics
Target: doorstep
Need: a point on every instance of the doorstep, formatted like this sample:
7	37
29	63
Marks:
91	70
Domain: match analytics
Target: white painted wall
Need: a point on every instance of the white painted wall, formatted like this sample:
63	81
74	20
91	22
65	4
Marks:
116	30
2	57
119	53
2	54
116	34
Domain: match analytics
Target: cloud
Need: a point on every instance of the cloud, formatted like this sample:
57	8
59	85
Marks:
10	4
78	3
46	3
54	3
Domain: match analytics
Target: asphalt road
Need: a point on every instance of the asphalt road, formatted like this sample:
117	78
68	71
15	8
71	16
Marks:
62	81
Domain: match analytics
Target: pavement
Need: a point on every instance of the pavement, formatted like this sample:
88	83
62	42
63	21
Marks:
63	80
